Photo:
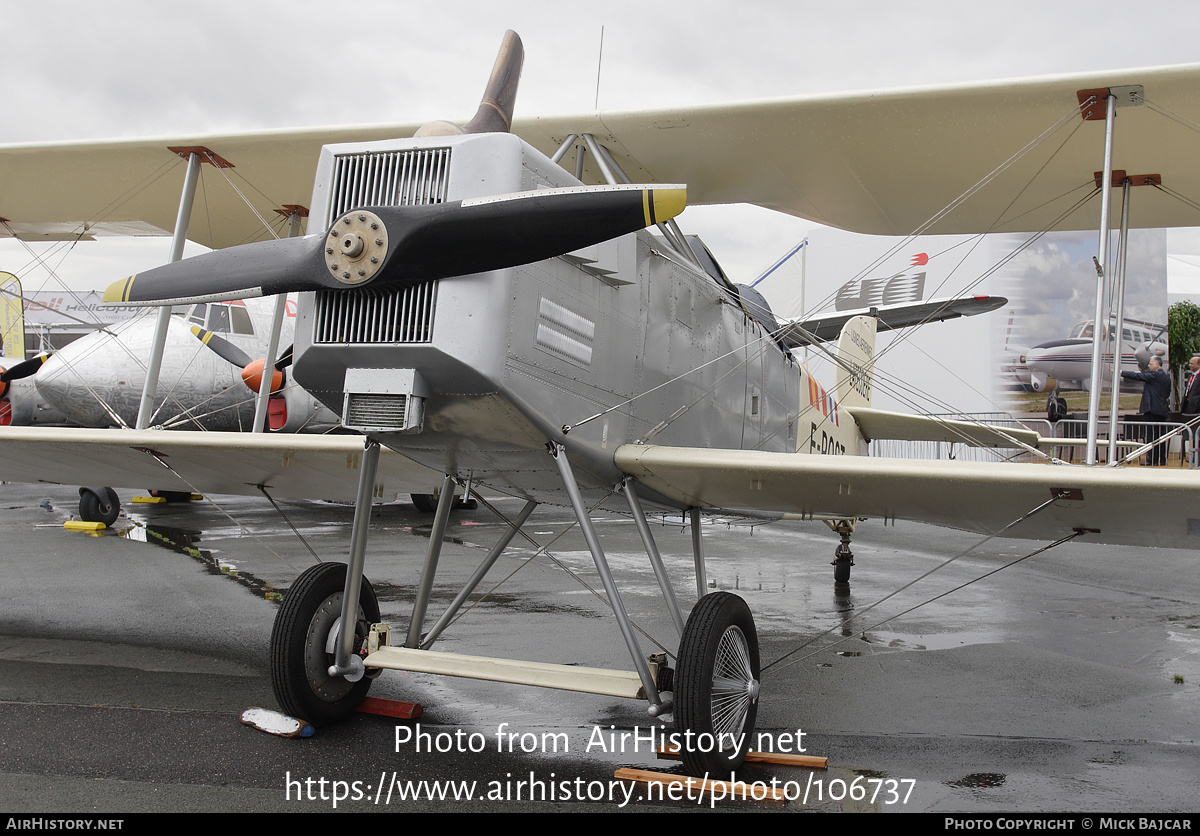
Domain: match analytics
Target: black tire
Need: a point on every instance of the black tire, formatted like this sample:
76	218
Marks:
93	508
716	685
299	662
426	503
173	496
841	570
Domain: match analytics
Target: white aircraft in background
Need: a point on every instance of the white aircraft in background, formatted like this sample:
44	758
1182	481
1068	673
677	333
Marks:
1066	365
206	378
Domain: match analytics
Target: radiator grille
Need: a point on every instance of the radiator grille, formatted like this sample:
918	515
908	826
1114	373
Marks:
375	411
369	315
390	178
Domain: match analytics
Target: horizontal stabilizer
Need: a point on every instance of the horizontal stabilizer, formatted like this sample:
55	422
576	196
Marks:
972	496
825	327
877	424
407	245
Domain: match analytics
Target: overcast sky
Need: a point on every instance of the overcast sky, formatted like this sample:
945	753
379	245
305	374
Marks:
86	70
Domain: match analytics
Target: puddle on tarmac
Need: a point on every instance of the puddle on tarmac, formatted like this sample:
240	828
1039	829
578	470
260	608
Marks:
183	541
980	780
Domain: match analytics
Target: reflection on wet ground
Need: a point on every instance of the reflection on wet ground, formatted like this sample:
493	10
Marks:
1052	683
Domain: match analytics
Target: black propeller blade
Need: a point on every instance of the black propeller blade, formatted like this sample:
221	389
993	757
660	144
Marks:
25	368
408	245
223	348
496	108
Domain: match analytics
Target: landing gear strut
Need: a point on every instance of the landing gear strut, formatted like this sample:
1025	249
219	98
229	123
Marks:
1056	407
843	558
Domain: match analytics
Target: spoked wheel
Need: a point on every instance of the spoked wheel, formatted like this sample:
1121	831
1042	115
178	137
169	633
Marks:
299	642
716	685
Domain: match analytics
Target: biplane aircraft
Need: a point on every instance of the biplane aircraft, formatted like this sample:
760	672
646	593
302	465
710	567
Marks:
469	300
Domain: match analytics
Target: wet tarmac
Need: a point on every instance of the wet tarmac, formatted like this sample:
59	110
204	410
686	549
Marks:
1067	682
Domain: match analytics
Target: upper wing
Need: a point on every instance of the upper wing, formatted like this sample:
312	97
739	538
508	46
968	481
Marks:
129	187
287	465
1135	506
828	326
884	162
880	162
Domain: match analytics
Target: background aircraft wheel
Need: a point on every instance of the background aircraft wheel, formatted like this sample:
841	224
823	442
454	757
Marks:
299	662
426	503
1056	408
173	496
716	684
99	505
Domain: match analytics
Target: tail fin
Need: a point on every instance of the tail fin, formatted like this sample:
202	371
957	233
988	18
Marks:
856	362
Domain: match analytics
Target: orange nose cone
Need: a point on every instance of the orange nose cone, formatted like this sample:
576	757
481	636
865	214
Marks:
252	376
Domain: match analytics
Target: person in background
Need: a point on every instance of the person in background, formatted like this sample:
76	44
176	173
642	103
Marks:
1155	406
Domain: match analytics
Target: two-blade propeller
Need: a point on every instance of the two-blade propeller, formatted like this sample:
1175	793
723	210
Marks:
401	246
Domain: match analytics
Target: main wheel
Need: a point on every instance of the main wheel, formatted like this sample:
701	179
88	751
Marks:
716	685
299	661
95	508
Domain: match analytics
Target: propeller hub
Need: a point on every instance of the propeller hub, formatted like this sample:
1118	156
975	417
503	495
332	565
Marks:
356	246
352	246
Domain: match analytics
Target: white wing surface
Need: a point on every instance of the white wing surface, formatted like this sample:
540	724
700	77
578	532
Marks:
1134	506
880	162
295	466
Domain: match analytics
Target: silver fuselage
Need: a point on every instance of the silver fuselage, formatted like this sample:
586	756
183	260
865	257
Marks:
503	360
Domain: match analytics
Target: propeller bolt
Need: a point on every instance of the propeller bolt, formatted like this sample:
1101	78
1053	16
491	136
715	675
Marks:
345	275
362	272
352	246
362	218
374	226
329	250
374	260
379	242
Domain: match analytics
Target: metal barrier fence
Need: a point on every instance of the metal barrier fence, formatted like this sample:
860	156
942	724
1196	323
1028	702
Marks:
1176	442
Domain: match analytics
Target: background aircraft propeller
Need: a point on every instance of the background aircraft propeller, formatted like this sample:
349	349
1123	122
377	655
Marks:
25	368
251	369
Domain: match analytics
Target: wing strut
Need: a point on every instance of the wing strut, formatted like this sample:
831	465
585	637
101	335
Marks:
295	213
146	409
657	704
1089	106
